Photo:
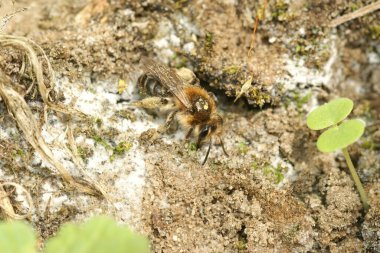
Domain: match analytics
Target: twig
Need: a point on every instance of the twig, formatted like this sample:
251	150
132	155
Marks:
247	85
256	24
356	14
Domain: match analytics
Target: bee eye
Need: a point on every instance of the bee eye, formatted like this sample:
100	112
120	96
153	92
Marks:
204	132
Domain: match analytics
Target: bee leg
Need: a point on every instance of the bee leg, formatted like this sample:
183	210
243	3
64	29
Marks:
208	152
149	103
169	120
189	133
222	144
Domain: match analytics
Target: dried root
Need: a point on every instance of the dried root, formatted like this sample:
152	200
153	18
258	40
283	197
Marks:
45	85
23	115
6	205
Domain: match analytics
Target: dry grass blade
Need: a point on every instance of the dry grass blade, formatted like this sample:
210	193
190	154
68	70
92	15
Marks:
20	110
79	163
25	120
32	51
244	88
24	117
356	14
6	205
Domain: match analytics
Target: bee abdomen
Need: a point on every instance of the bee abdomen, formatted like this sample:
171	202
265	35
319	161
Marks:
151	86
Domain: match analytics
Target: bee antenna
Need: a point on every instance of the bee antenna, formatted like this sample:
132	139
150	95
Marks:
208	152
224	150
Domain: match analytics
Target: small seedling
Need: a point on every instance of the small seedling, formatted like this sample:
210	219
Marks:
338	136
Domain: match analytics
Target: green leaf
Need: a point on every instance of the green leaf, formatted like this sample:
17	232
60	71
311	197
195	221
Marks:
341	136
98	235
17	237
330	113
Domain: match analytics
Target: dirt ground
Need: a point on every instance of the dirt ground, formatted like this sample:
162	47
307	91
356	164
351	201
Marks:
274	193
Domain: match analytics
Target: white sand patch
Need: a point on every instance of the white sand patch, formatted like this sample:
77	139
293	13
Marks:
300	76
124	175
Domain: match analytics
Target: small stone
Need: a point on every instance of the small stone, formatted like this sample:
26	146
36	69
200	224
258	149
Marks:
272	40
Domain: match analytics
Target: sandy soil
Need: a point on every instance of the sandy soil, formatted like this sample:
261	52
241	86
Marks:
274	193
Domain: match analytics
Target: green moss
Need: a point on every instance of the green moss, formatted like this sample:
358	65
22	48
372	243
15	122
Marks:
120	149
302	100
231	70
179	4
241	246
98	122
209	37
374	31
368	144
294	97
179	61
280	10
275	174
209	43
99	140
261	12
300	49
192	146
243	148
255	165
258	97
353	7
278	173
19	152
84	152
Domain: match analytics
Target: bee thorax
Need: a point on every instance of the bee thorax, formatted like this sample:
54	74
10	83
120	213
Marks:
201	105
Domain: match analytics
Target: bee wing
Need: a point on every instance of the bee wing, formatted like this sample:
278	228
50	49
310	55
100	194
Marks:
168	79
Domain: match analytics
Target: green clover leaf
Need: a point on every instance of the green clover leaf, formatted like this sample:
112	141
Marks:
98	235
17	237
330	113
341	136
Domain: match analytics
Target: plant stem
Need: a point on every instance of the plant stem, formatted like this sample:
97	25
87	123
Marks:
355	177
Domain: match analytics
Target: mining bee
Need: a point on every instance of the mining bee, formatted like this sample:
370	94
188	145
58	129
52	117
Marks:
191	105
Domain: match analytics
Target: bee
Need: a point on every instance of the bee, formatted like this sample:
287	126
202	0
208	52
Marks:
191	105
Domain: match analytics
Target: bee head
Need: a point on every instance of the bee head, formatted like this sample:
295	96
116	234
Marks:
205	132
213	126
